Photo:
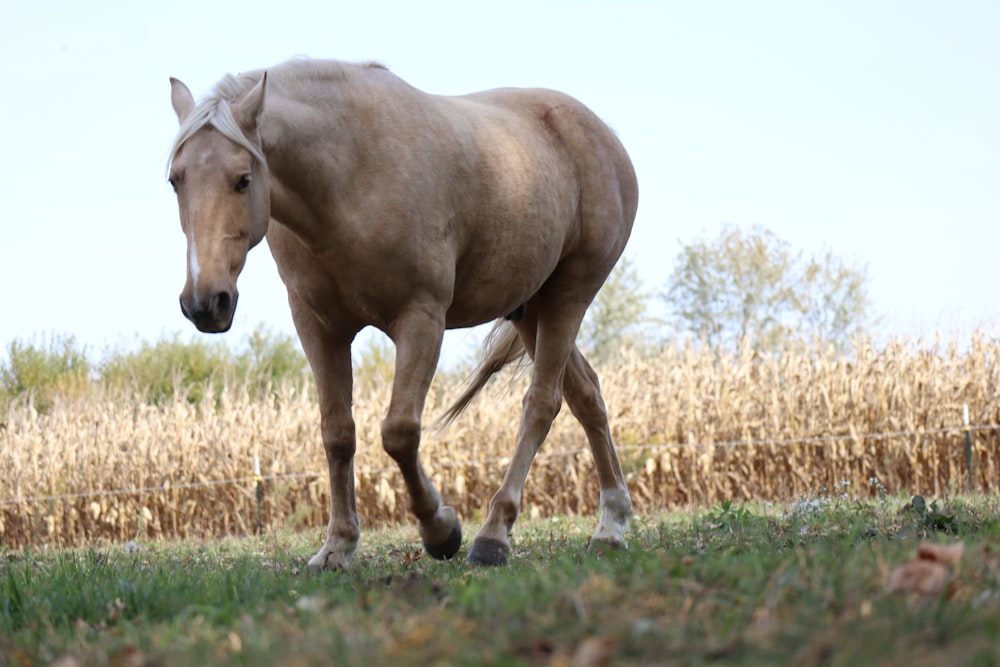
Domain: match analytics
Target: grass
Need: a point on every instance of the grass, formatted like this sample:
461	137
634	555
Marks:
738	584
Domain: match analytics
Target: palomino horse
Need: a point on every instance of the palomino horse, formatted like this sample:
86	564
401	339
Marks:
413	213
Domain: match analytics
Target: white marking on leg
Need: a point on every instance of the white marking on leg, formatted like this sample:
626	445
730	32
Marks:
616	508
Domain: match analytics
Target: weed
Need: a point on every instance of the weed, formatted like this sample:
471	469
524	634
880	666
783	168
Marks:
931	517
727	515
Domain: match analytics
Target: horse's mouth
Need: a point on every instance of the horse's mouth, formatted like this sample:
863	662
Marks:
215	316
212	326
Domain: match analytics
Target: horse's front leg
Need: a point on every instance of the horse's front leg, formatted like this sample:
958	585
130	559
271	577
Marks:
329	357
339	442
418	338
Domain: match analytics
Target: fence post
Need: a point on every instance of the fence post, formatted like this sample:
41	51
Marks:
260	494
968	442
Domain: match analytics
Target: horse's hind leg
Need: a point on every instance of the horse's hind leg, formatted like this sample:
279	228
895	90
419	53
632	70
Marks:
549	342
583	395
418	344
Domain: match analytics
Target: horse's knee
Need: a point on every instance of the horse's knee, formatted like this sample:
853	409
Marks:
400	437
339	439
541	404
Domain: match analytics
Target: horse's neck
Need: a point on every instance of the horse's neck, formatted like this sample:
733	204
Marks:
310	137
302	142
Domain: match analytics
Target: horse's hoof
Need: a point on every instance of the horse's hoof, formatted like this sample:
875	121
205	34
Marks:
599	547
328	562
445	550
486	551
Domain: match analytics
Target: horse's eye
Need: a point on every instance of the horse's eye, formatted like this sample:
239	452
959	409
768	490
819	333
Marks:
243	183
173	184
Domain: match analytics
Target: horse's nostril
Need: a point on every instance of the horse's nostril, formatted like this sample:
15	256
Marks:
221	303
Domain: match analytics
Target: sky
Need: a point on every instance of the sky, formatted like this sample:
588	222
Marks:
869	129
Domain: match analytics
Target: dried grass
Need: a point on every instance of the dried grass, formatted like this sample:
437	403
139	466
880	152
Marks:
692	427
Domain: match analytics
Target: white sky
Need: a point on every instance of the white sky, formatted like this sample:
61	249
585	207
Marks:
871	128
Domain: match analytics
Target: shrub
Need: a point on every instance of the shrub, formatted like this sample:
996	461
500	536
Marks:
200	368
41	371
168	368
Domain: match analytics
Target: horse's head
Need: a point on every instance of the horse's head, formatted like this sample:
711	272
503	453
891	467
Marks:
220	176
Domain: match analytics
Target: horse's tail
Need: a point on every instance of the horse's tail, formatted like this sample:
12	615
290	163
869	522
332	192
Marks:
502	347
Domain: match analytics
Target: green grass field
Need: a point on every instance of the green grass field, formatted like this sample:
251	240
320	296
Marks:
730	585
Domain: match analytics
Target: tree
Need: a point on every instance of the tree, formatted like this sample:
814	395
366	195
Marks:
616	316
751	285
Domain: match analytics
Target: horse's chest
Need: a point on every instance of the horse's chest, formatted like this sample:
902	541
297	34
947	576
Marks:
340	288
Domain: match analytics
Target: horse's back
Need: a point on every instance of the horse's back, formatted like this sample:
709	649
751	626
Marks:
548	124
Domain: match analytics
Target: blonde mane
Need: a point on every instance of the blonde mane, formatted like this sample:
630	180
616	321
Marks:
215	111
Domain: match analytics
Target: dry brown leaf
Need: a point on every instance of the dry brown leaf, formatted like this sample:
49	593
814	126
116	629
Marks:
925	577
946	554
65	661
595	652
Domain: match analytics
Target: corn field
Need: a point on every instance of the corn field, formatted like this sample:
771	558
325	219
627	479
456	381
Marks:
693	426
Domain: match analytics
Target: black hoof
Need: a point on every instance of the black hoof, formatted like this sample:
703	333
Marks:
485	551
449	547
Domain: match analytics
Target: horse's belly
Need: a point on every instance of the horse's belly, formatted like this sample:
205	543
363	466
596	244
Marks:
496	284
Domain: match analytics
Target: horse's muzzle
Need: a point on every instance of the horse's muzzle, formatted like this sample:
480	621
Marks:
212	316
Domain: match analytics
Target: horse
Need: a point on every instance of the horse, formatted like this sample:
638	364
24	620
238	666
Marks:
414	213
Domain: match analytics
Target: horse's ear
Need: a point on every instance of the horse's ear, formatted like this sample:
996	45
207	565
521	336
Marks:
247	110
181	98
